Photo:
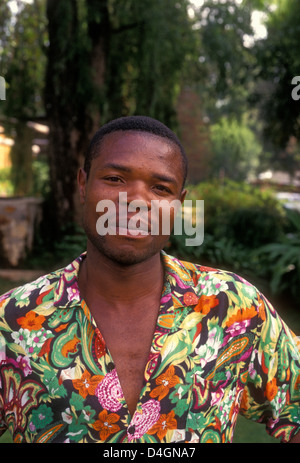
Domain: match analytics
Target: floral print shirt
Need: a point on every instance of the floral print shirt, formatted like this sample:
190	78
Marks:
219	349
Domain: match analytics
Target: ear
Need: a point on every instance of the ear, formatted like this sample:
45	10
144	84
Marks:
182	195
81	181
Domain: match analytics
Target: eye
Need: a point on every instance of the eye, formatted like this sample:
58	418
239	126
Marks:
163	189
113	178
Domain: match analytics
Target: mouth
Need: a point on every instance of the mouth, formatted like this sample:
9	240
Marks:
135	232
129	227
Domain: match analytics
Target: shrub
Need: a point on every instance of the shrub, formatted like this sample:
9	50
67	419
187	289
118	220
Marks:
283	258
249	232
240	213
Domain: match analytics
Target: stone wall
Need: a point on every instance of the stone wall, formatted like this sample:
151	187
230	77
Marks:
19	218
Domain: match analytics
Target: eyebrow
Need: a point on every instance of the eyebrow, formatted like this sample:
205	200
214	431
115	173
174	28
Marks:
112	165
162	178
165	178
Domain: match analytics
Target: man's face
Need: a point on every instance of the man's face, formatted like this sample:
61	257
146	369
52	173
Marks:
142	167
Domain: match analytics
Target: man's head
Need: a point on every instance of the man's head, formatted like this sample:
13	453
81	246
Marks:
142	160
135	123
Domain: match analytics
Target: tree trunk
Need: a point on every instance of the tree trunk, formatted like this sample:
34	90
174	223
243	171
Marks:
21	158
74	84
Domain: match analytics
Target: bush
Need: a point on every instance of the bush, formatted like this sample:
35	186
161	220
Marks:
254	226
236	149
240	213
283	259
240	222
51	254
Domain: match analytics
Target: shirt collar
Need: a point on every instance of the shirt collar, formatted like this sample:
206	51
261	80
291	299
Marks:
179	283
67	291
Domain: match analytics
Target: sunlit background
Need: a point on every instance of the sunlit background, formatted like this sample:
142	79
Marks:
219	73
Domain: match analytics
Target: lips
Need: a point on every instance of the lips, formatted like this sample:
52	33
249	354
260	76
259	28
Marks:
132	231
128	225
134	222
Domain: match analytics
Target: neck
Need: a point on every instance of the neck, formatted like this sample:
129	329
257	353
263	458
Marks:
117	284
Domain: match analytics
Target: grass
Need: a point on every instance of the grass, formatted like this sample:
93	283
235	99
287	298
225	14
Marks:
6	438
249	432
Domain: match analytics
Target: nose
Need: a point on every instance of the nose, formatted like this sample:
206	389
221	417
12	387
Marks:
139	192
132	201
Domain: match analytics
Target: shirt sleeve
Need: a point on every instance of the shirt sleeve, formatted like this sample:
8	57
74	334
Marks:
3	426
272	393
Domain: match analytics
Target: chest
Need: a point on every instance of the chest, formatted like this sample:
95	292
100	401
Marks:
128	339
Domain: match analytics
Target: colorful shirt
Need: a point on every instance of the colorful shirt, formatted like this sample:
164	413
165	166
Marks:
219	349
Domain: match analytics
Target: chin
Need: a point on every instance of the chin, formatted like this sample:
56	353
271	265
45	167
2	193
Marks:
125	252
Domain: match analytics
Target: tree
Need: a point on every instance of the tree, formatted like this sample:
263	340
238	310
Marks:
278	56
76	64
236	150
106	59
226	64
22	64
150	44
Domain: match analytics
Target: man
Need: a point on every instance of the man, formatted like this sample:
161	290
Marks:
128	344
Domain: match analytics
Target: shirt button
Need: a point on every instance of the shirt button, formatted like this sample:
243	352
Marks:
131	430
110	367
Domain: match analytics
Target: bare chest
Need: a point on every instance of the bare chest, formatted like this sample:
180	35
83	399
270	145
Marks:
129	340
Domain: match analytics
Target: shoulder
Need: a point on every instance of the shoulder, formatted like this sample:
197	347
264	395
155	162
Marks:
208	278
235	298
240	299
45	288
30	295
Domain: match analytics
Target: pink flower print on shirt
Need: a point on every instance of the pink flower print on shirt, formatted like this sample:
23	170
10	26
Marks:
73	292
142	422
109	392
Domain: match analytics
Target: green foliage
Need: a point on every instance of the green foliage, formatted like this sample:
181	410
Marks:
41	180
282	258
150	43
231	209
249	232
240	223
111	58
23	66
6	186
72	243
21	157
23	60
278	57
226	64
53	253
236	150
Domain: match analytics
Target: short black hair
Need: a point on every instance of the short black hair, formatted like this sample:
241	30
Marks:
134	123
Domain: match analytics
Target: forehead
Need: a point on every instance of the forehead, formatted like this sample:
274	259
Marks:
139	148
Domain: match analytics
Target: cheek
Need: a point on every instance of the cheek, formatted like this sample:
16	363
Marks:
162	218
96	192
